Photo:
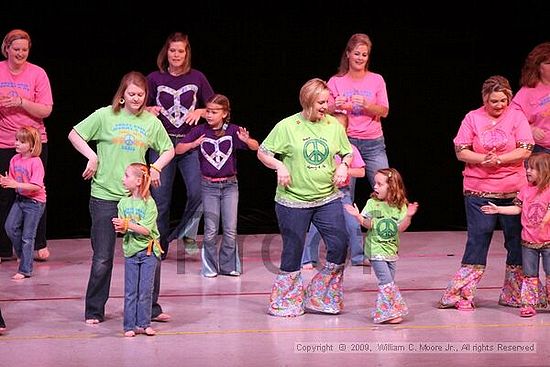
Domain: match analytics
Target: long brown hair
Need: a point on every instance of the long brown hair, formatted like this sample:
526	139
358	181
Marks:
530	72
162	58
133	77
397	195
354	41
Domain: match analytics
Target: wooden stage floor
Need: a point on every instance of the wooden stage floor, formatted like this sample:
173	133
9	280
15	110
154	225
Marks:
223	322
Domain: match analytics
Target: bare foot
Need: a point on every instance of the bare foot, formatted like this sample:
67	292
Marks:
18	276
149	331
130	333
43	254
308	266
2	329
163	317
397	320
92	321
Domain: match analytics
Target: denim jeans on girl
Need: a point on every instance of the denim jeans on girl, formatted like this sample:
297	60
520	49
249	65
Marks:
531	260
139	274
21	225
220	200
384	270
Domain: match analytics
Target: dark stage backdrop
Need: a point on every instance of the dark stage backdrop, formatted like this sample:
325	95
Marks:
433	59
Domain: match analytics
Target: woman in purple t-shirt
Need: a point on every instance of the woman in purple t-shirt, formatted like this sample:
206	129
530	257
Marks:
177	97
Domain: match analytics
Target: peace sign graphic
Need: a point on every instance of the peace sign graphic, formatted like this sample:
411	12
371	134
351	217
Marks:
536	214
386	228
315	151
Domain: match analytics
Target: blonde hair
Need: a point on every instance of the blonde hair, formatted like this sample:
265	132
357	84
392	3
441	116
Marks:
397	195
141	170
309	93
28	134
15	34
540	162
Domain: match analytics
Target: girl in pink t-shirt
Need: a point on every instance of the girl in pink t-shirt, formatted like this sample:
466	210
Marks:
533	202
26	176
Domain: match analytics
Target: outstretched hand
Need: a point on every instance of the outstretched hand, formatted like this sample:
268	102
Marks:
353	210
193	117
243	134
490	209
7	182
412	209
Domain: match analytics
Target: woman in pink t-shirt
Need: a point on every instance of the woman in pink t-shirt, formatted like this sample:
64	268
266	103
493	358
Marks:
533	98
25	100
361	95
492	141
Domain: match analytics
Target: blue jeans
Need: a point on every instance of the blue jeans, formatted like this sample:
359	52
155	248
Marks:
531	260
220	199
188	166
481	228
384	271
355	242
293	226
373	152
7	196
139	273
103	239
21	225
